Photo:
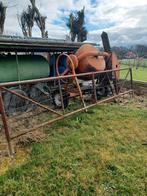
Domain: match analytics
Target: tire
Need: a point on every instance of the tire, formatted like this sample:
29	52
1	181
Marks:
101	92
57	99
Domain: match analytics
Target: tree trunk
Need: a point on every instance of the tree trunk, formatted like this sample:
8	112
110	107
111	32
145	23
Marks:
73	36
41	22
2	18
30	32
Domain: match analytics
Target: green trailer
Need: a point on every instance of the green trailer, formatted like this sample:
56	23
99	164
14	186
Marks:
23	67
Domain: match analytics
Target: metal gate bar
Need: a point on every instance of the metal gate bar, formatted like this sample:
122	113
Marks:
8	84
70	114
30	100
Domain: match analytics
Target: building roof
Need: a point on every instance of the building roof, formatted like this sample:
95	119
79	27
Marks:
19	44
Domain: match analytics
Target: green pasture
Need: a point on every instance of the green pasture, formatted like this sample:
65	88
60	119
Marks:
101	152
139	73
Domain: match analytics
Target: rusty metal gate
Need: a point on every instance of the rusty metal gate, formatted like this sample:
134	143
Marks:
38	112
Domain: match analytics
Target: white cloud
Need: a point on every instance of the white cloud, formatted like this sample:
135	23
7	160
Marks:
125	20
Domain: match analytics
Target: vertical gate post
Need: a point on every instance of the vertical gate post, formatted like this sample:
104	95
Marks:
131	78
61	96
94	88
6	126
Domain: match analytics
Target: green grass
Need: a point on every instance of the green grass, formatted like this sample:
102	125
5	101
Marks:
96	153
138	74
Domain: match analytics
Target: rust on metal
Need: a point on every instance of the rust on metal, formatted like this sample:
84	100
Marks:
6	84
61	96
74	76
94	88
6	126
69	114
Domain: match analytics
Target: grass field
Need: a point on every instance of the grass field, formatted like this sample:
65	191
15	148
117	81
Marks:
102	152
139	73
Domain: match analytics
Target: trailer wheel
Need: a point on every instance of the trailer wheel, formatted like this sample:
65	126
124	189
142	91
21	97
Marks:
57	99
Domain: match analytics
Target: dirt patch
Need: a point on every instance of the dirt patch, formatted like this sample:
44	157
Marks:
36	136
138	102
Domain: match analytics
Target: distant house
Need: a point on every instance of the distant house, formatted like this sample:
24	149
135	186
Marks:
130	55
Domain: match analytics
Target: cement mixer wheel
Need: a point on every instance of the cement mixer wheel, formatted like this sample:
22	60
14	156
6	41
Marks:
101	92
57	99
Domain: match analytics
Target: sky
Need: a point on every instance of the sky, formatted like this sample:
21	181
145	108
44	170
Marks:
125	21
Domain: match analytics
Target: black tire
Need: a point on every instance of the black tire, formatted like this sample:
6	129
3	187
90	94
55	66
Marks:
57	99
101	92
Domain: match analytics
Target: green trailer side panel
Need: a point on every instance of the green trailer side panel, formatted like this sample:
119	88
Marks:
28	67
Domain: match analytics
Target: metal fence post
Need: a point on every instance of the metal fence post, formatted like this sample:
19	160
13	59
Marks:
6	126
131	81
61	95
94	88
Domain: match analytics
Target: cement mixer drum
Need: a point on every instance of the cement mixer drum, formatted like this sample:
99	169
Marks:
89	61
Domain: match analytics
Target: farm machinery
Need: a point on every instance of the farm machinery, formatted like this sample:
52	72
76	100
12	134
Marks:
22	60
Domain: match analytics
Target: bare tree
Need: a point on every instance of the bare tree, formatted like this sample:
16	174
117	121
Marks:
2	17
23	24
27	21
40	20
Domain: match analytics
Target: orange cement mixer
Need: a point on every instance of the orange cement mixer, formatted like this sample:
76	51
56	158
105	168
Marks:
88	58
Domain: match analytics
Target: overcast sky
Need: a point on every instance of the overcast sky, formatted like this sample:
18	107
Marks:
124	20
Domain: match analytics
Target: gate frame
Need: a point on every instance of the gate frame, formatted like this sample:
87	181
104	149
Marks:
3	86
